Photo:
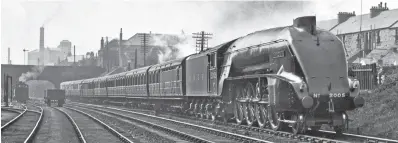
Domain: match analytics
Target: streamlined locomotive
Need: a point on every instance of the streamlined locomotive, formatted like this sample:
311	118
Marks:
292	77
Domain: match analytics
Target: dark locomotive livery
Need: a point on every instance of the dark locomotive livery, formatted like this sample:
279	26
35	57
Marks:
21	92
56	95
287	77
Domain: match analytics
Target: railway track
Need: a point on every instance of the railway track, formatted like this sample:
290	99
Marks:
75	126
360	138
14	119
186	131
321	136
22	128
89	131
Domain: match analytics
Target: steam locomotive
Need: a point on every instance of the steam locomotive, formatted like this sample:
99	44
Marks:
21	92
285	78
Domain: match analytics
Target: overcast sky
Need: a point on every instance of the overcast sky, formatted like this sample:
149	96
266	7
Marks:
84	22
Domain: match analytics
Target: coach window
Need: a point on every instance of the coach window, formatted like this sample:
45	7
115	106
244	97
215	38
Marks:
158	76
129	79
132	79
145	78
151	79
135	78
139	79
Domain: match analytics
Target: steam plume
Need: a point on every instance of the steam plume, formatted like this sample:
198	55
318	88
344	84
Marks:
32	74
51	17
173	46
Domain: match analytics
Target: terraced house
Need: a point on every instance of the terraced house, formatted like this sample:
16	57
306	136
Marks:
374	40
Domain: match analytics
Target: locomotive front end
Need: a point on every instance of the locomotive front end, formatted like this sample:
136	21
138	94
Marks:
326	84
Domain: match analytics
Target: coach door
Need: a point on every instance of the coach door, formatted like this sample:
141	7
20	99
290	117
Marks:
212	73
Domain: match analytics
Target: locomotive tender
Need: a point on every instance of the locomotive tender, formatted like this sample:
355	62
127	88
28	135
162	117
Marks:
21	92
57	95
287	77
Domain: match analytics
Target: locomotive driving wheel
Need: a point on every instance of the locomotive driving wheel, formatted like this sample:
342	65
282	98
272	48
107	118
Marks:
274	118
238	107
261	115
249	106
213	111
299	126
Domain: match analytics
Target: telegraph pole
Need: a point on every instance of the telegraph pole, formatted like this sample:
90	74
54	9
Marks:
74	55
202	40
24	60
144	44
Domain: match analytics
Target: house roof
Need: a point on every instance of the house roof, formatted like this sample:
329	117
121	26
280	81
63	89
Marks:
387	55
327	24
378	53
395	25
384	20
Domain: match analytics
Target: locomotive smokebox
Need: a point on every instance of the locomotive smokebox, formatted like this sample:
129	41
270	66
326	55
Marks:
307	23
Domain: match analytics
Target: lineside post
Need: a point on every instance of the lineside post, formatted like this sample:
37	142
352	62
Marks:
5	90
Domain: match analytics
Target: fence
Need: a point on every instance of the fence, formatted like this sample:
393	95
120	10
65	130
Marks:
366	74
369	76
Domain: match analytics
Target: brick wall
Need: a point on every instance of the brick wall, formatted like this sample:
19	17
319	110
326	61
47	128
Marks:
370	40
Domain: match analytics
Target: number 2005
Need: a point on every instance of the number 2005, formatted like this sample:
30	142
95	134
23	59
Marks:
331	95
334	95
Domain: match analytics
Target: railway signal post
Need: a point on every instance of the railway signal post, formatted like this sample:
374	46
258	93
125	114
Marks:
6	77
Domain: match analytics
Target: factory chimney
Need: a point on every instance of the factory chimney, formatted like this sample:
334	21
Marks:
41	50
102	42
74	55
120	48
9	58
41	38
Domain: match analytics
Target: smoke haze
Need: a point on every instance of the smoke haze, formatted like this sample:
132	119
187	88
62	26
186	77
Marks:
32	74
173	46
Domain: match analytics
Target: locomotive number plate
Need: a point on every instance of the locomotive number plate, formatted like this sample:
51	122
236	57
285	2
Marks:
337	95
331	95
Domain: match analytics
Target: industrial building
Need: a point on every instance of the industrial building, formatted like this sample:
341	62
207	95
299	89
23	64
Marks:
49	56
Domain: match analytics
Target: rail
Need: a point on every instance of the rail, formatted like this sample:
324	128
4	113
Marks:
364	137
14	119
216	131
77	129
113	131
38	123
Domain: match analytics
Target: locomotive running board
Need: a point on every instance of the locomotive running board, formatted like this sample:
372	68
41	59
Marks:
274	76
